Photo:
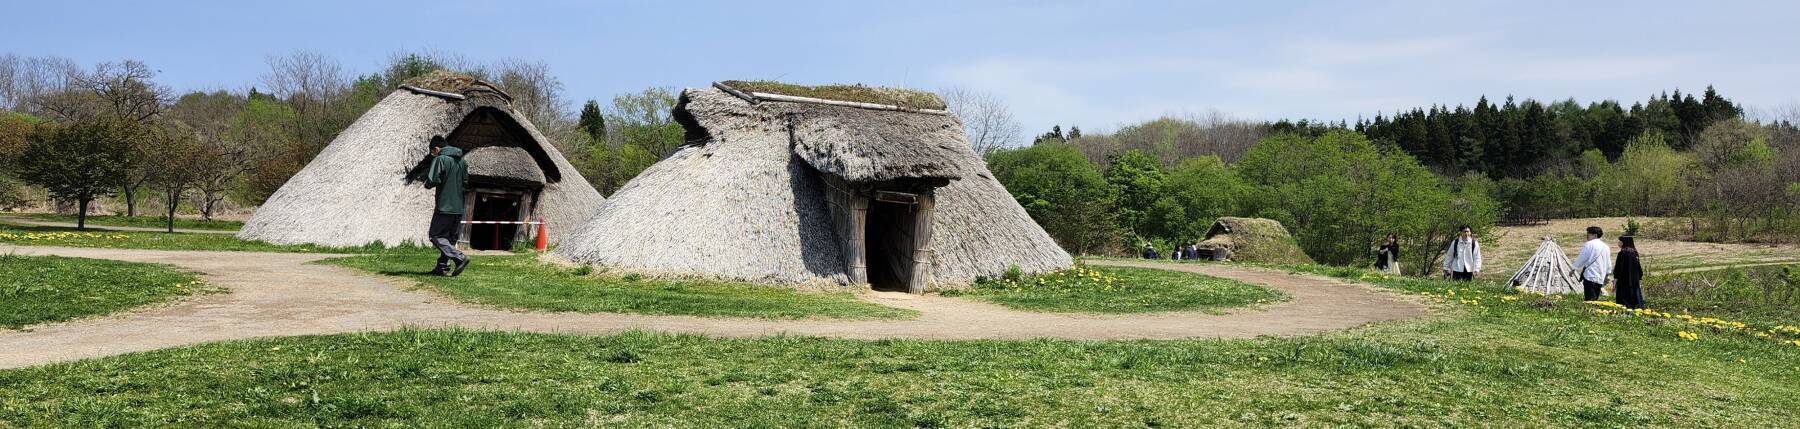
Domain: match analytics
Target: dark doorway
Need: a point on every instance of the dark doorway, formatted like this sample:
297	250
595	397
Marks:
889	237
494	207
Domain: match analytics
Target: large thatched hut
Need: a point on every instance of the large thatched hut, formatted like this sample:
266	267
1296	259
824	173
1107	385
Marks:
843	185
1251	240
367	186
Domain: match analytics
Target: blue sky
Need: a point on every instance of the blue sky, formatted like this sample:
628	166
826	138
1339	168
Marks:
1095	64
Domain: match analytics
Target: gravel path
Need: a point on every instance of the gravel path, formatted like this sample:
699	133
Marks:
280	294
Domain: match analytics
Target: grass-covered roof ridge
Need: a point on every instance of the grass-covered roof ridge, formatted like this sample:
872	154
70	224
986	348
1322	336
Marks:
908	98
453	82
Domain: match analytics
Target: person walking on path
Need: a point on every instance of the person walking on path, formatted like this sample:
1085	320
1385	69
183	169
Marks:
1387	257
1629	273
1464	260
1591	265
448	175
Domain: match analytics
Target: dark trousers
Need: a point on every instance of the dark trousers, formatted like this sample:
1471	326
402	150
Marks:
1630	297
1462	276
445	227
1590	291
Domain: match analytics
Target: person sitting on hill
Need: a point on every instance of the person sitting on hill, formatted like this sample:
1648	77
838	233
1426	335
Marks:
1464	256
1150	252
1591	265
1629	275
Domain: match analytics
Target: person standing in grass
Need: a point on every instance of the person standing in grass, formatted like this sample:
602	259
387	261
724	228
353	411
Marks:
1387	257
1463	259
448	175
1629	275
1591	265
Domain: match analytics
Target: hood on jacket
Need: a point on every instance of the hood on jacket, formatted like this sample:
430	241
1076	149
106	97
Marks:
451	151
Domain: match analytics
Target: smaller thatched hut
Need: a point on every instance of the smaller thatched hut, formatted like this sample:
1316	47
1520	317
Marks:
368	186
1547	272
1251	240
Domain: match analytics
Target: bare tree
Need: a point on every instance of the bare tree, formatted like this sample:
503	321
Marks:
23	79
306	79
211	121
986	120
538	95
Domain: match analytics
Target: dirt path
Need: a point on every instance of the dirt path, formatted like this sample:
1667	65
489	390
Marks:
34	222
279	294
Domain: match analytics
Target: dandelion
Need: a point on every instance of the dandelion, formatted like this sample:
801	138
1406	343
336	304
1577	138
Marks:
1689	336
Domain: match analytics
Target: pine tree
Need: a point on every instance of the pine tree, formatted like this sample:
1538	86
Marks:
592	122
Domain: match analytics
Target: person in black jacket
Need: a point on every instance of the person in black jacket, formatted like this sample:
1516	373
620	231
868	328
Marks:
1387	257
1628	275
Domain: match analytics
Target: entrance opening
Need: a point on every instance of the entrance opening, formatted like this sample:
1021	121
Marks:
888	233
494	207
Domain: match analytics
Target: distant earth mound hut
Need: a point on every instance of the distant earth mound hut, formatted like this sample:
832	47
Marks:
830	185
1251	240
368	185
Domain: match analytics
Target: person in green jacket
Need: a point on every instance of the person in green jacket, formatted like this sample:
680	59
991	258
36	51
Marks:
448	174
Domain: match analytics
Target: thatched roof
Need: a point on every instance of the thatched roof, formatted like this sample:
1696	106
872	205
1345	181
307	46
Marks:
907	98
863	145
504	162
454	83
359	189
1547	272
1254	240
742	204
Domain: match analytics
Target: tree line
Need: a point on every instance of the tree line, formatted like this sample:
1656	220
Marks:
1340	186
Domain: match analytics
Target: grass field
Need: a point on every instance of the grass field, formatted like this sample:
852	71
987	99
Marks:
523	282
1762	293
1119	290
69	237
1486	361
133	221
42	289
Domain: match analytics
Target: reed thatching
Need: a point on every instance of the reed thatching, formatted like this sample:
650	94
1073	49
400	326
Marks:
863	145
741	203
1547	272
455	83
906	98
1253	240
360	188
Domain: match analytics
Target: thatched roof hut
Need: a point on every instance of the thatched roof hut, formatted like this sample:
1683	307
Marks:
1251	240
787	189
367	186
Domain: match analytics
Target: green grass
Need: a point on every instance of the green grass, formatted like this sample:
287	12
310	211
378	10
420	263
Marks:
69	237
133	221
1511	368
858	93
1762	292
1484	361
1119	290
523	282
42	289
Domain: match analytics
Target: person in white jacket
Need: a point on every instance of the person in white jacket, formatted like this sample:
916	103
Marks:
1593	264
1463	259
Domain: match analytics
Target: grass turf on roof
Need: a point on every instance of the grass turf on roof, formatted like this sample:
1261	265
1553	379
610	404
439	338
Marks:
908	98
452	82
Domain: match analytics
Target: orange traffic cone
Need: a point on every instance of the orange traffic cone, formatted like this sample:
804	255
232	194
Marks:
543	241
